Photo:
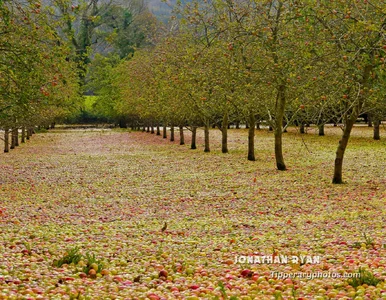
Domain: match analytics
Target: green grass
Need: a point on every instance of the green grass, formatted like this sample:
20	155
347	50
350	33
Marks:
89	102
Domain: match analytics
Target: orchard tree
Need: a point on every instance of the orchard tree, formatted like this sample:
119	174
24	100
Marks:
36	77
357	31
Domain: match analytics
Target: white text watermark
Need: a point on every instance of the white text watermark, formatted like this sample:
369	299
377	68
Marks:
313	275
277	259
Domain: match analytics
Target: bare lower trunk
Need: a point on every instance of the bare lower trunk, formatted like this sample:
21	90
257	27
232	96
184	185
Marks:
23	134
13	139
152	129
53	125
158	130
340	151
6	140
164	132
28	133
194	137
349	124
377	125
302	129
206	136
258	125
224	131
148	129
182	138
321	129
251	138
172	133
16	133
280	107
238	125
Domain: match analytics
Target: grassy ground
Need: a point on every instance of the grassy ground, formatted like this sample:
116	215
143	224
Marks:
109	193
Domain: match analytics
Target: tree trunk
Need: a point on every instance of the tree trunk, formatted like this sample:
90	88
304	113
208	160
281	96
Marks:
377	125
16	133
369	121
349	124
158	130
148	129
28	133
164	132
6	140
340	151
302	131
224	131
251	138
206	135
280	107
258	125
321	129
172	133
53	125
237	124
122	123
182	138
194	137
152	129
13	139
144	128
270	128
23	134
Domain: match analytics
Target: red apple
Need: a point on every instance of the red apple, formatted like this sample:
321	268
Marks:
246	273
153	297
163	273
194	287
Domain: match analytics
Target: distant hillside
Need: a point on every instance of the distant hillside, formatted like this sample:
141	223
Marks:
162	9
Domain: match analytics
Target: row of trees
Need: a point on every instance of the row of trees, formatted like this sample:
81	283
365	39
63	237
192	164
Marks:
38	82
46	47
279	62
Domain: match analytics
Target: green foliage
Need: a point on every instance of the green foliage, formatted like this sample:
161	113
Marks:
37	84
224	293
71	256
365	277
368	241
91	261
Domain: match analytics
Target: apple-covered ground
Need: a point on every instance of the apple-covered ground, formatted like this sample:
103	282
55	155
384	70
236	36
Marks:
167	222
